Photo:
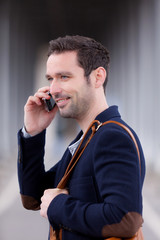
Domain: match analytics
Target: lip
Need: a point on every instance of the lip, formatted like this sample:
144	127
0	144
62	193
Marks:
61	102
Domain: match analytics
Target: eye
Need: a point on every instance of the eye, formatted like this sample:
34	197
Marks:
64	77
50	79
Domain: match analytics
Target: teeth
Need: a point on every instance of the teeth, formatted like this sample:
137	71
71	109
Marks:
62	100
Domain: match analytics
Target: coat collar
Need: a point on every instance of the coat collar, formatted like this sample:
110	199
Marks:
108	114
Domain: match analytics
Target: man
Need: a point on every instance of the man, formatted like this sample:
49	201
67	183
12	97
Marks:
103	196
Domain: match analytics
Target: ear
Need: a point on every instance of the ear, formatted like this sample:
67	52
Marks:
100	76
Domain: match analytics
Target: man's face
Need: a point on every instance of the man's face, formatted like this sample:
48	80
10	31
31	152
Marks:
68	85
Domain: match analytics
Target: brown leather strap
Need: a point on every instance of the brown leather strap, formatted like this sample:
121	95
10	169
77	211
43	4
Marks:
94	126
57	234
77	155
52	234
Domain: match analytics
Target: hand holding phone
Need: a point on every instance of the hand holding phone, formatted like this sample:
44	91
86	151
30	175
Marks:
36	117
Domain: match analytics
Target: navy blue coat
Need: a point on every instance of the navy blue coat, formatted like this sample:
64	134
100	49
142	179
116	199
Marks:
105	189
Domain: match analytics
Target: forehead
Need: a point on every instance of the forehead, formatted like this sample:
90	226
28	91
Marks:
63	61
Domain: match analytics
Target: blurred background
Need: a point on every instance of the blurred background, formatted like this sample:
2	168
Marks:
130	29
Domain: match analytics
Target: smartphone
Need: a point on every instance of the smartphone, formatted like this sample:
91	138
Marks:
49	103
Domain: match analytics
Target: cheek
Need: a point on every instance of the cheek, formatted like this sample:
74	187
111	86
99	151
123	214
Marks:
71	88
77	86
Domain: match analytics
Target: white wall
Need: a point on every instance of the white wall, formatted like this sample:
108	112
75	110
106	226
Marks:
134	81
17	57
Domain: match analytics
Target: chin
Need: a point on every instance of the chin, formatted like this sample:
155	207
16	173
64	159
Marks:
65	114
68	114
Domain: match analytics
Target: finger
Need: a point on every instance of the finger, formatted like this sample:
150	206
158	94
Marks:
42	211
42	199
33	100
64	191
42	95
44	89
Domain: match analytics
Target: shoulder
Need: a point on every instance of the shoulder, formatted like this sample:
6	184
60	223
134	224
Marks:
113	130
114	139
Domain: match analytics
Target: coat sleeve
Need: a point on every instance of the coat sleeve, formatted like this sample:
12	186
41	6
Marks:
117	174
33	179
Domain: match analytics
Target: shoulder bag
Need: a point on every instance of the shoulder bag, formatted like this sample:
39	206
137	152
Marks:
94	126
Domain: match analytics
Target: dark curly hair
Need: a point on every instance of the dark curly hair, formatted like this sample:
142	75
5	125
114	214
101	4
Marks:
90	53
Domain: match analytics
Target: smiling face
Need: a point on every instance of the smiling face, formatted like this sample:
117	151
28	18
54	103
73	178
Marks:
72	92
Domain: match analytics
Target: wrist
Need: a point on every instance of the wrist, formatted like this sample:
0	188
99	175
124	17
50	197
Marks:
31	133
25	133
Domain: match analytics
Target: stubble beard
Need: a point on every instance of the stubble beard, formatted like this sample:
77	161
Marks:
80	108
75	111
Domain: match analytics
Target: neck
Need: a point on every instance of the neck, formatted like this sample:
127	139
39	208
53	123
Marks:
95	110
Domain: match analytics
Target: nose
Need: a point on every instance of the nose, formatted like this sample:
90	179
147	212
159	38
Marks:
55	87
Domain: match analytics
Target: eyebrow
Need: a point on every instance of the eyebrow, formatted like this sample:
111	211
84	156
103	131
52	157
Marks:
59	74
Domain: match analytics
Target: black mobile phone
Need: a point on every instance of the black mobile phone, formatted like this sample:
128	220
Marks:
50	103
